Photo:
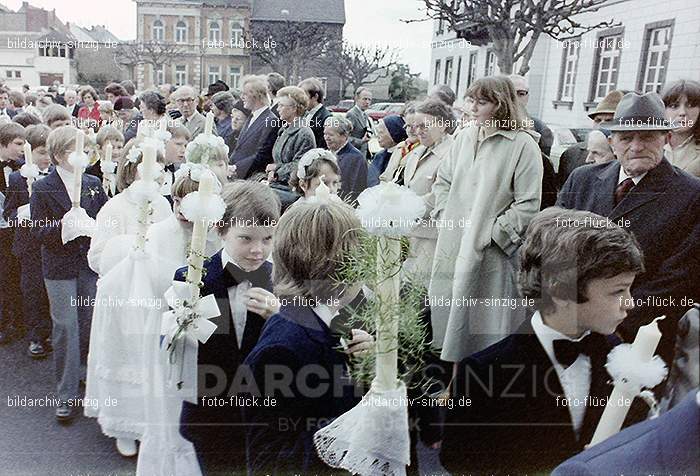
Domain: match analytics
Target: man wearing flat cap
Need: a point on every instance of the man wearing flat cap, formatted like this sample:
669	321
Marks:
658	202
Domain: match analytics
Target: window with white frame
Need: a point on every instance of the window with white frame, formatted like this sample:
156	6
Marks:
490	63
158	30
656	61
181	32
180	75
448	71
436	75
608	66
568	72
471	77
214	31
159	75
237	34
214	73
234	77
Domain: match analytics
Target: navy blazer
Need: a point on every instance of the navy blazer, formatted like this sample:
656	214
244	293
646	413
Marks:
516	422
279	438
219	358
48	204
17	195
668	444
663	212
254	147
353	172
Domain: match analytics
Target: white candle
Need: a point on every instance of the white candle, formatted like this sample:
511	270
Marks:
108	152
209	125
322	191
163	124
28	153
644	347
78	171
199	238
148	164
388	264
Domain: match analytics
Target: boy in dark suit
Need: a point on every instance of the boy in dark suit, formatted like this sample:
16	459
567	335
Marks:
11	323
70	283
297	360
533	399
239	276
27	250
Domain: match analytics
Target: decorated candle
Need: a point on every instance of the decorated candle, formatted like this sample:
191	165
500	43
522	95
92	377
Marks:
209	124
148	164
108	152
388	264
78	171
199	237
28	153
164	124
643	349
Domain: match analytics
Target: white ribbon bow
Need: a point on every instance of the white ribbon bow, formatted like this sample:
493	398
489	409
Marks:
186	320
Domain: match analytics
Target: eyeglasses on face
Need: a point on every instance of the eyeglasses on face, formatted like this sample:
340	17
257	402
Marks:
522	92
183	100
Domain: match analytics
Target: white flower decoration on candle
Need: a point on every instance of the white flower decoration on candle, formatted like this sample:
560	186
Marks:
203	147
29	170
78	160
193	170
323	193
134	155
108	168
199	328
198	206
389	209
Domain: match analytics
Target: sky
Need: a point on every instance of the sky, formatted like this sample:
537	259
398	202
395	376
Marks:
367	21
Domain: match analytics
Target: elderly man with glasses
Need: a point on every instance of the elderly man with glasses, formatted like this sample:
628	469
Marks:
186	100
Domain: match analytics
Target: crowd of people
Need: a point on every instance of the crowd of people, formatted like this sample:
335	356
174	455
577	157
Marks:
590	249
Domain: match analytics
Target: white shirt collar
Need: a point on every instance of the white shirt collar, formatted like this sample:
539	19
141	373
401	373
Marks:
623	176
255	114
226	259
313	110
67	178
325	313
546	335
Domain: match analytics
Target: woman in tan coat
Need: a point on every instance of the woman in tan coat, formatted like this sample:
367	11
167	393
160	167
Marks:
433	119
486	192
682	100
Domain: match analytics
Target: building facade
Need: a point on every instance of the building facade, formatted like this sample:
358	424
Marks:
655	43
35	48
207	38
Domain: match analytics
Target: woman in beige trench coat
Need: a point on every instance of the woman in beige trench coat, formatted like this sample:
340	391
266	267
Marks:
486	192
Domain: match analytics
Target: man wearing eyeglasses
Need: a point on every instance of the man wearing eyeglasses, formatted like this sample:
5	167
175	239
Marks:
186	101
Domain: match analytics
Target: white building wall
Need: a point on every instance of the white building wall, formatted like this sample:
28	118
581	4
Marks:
545	64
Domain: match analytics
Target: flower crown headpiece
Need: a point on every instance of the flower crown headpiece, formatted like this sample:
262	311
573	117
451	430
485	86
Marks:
309	157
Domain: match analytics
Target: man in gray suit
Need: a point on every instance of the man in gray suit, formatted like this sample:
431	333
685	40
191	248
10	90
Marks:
186	99
362	129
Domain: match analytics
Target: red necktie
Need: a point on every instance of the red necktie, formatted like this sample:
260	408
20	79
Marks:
622	189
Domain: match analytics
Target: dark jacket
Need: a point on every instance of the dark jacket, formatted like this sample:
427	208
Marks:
515	422
665	445
571	158
48	204
546	136
316	125
280	436
663	213
359	119
353	172
17	195
292	142
254	146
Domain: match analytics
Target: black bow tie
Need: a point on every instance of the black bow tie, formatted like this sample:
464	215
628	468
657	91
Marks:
170	168
233	276
43	173
567	351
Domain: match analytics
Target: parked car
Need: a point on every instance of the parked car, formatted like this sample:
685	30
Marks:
563	139
581	133
382	109
342	106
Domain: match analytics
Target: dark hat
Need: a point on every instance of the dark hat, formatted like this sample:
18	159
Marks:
639	113
216	87
396	127
123	102
239	105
